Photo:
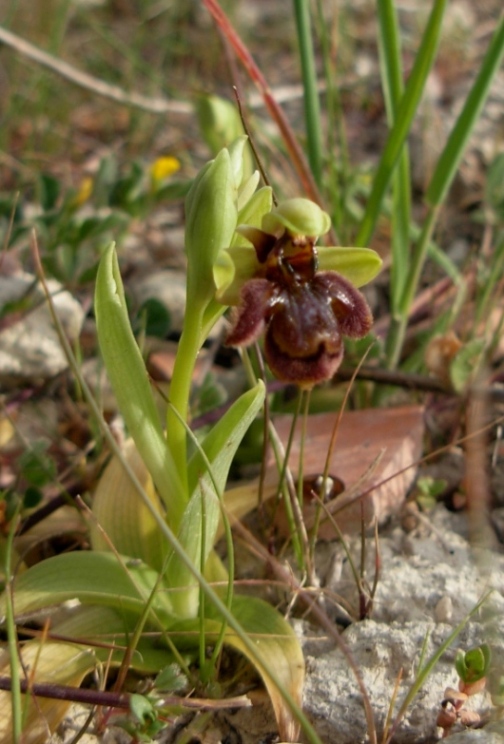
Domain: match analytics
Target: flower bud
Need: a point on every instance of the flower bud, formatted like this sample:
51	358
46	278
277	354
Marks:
210	223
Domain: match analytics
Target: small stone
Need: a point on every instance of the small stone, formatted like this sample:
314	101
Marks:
443	611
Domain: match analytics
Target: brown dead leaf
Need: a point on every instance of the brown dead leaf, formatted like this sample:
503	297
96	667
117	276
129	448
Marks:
372	447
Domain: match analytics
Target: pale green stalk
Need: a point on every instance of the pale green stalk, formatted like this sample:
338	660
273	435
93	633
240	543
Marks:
210	223
180	390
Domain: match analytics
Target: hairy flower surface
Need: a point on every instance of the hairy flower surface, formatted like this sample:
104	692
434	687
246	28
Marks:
304	311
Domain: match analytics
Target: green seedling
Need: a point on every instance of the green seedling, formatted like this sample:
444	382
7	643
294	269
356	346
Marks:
427	490
472	668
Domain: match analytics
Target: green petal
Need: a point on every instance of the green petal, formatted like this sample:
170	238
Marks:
358	265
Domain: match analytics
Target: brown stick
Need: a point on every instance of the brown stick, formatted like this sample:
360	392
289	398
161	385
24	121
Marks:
116	699
71	73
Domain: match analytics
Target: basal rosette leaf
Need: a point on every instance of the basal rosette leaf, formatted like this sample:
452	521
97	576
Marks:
112	630
123	515
50	663
276	644
93	578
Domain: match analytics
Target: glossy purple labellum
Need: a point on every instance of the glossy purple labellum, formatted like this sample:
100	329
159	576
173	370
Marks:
304	312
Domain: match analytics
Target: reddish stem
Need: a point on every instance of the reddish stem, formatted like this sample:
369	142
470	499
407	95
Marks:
115	699
243	54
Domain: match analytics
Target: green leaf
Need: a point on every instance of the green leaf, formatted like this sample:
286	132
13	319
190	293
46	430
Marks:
123	515
49	191
111	629
494	187
473	665
223	440
36	466
171	679
92	578
219	448
129	379
275	643
157	320
392	82
465	363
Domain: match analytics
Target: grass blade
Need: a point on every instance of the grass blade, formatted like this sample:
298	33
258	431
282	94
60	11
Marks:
392	83
405	113
454	149
311	96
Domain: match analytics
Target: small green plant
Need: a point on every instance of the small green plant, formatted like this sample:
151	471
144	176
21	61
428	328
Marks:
75	225
472	668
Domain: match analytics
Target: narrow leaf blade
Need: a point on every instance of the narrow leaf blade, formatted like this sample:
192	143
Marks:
130	382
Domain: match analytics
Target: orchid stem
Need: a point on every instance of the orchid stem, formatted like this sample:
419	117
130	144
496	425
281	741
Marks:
180	393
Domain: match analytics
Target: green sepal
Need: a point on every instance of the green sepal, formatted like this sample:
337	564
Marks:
253	212
299	217
238	264
358	265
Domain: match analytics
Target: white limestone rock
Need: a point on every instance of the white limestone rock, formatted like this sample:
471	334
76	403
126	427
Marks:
30	350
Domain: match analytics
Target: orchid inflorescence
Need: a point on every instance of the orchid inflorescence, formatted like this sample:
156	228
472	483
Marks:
289	289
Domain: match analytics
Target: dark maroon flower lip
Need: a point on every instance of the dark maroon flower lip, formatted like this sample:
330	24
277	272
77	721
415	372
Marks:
304	312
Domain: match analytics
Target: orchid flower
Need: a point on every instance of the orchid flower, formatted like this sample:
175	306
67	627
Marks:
304	298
